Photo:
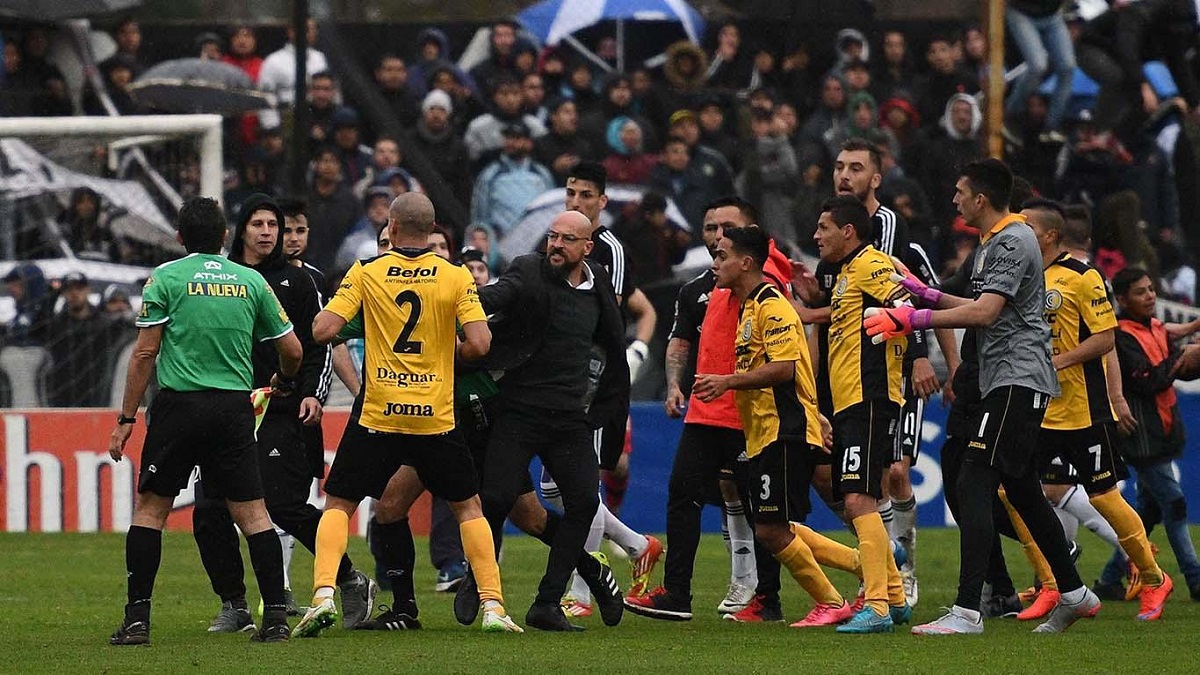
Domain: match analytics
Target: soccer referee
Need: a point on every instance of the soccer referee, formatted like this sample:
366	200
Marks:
200	318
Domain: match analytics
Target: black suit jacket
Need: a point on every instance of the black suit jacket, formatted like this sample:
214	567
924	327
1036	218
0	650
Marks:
518	306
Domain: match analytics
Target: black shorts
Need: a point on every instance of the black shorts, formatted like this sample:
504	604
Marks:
908	431
864	444
213	430
1005	430
780	476
1086	457
366	460
284	461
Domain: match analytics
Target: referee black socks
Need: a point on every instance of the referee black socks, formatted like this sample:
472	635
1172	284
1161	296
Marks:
143	553
266	556
398	556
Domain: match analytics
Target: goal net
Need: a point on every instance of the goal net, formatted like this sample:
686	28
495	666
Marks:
86	212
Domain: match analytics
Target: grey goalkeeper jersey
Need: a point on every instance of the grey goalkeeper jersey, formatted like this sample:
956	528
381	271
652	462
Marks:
1015	349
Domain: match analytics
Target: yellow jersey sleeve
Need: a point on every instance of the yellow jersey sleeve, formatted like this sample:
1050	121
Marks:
468	308
876	280
1095	309
780	327
347	302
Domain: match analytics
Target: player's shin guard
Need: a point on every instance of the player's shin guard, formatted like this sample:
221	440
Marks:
1131	534
266	557
143	553
875	550
480	552
1041	566
398	556
797	557
828	552
332	533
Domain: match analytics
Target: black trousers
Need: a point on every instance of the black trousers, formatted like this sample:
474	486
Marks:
695	481
563	442
953	451
287	477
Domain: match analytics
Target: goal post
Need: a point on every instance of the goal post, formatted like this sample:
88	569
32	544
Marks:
207	127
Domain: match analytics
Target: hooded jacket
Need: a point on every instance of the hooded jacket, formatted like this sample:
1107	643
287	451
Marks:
300	299
947	123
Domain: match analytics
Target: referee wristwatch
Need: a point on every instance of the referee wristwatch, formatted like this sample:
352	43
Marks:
122	419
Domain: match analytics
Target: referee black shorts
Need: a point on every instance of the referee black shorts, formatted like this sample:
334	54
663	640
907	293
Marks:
1086	457
864	444
211	429
1006	429
367	459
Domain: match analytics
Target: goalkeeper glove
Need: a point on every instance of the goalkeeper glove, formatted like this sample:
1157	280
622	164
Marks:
883	323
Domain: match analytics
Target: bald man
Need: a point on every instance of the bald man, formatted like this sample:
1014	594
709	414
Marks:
549	310
404	413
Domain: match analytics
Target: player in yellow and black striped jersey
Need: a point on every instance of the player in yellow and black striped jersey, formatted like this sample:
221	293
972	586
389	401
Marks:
866	380
776	398
1080	426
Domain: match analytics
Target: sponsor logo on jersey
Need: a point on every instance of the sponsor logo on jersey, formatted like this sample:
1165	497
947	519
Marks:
217	290
408	410
212	265
747	328
412	273
214	276
772	332
404	379
843	283
1054	300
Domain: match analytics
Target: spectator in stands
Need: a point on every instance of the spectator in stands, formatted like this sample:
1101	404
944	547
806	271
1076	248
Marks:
646	101
332	208
899	117
506	186
824	124
684	73
278	73
616	101
653	244
562	147
1120	236
715	134
209	46
1036	155
771	175
243	51
86	226
128	36
1040	31
857	77
501	63
525	57
706	161
862	119
580	85
441	242
433	51
376	202
975	53
678	178
627	162
254	177
533	97
391	82
955	143
483	240
32	305
385	156
118	72
466	105
1178	274
78	338
270	139
322	104
944	79
850	45
115	305
474	260
895	71
18	85
354	156
396	180
434	136
731	67
35	51
798	79
484	138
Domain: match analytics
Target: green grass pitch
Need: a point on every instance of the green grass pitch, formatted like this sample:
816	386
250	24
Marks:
62	597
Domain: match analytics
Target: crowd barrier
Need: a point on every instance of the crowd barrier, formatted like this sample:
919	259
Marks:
57	475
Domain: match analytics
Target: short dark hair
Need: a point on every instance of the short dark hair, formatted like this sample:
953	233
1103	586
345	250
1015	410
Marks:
863	145
1043	204
1022	191
750	241
748	211
847	210
446	234
1053	215
1126	278
991	178
1077	228
323	75
293	207
592	172
202	225
388	56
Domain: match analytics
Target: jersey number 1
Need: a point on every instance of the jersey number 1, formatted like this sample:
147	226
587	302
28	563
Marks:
403	344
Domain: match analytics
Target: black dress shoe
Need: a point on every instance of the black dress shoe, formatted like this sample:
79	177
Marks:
551	618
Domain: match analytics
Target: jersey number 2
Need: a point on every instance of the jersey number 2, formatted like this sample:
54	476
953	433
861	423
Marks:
403	344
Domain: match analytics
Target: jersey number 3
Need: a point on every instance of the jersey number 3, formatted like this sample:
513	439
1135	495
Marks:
403	344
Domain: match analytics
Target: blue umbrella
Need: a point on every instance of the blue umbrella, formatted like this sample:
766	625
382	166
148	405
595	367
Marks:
553	21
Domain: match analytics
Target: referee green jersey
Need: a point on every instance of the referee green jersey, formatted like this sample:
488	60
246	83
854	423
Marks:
213	310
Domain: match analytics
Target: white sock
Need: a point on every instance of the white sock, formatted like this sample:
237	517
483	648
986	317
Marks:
620	534
1074	597
725	531
971	614
886	513
741	546
904	528
550	491
579	588
1076	503
1070	523
288	543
